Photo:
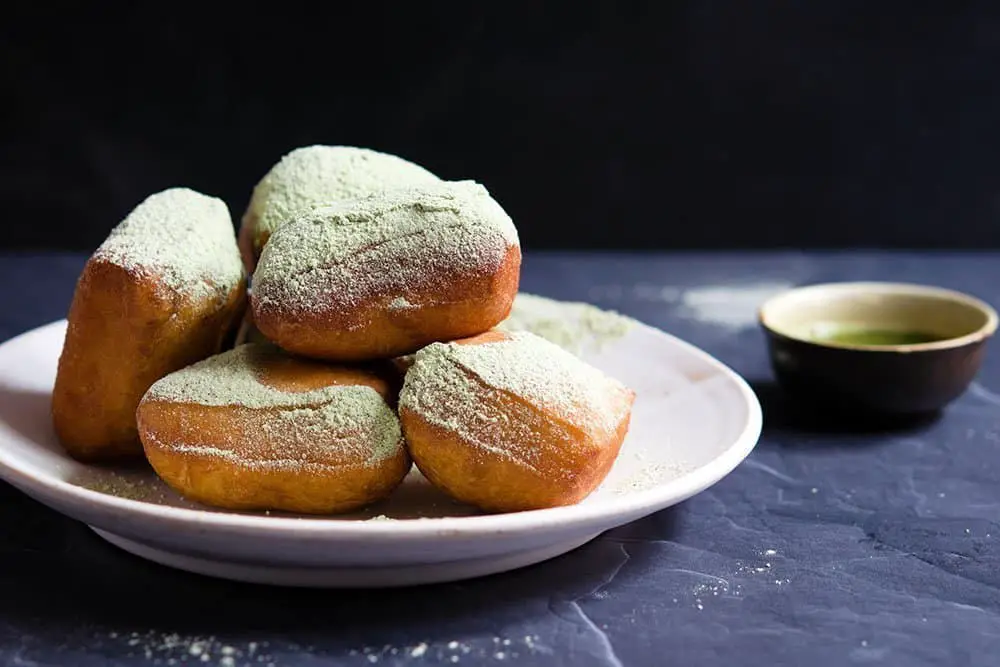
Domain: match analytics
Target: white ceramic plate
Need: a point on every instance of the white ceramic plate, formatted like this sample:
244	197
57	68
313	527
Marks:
694	421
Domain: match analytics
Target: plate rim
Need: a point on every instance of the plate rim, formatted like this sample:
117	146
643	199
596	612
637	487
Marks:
634	505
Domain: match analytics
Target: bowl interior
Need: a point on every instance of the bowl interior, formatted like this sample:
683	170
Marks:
879	315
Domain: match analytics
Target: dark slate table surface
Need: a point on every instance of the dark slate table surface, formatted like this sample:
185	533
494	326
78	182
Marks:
833	544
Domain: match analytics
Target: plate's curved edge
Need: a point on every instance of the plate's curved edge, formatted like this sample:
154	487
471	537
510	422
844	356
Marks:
630	506
393	576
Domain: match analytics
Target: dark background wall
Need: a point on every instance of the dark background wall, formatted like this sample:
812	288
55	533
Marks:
678	124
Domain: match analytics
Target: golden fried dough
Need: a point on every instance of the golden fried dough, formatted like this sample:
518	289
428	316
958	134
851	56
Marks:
384	276
511	422
164	290
254	428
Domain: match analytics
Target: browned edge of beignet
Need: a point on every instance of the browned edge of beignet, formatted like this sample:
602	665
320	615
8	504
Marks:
500	451
311	457
125	331
458	307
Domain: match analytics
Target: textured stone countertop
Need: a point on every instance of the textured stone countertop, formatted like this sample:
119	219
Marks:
830	545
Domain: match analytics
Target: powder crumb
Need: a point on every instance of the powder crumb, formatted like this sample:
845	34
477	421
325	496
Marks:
372	658
228	650
454	658
770	552
205	657
418	650
647	476
132	486
452	645
401	303
227	661
814	490
500	655
570	325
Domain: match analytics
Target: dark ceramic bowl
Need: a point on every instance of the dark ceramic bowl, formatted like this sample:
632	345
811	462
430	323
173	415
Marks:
883	348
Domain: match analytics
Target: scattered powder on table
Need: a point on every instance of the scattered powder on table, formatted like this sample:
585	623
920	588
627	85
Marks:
160	648
454	651
180	237
446	386
319	174
728	306
397	243
570	325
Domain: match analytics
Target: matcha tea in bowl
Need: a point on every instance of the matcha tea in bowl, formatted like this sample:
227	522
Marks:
877	347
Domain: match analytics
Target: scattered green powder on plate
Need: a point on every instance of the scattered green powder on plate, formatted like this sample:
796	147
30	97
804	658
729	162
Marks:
570	325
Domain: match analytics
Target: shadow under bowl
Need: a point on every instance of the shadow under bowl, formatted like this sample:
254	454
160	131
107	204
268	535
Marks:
875	347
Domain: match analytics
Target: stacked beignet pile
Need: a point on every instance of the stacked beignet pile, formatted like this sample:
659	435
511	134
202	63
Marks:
375	289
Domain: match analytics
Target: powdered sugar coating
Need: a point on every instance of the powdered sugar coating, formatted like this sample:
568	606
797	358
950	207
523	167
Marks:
299	425
388	247
233	378
180	237
445	386
320	174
